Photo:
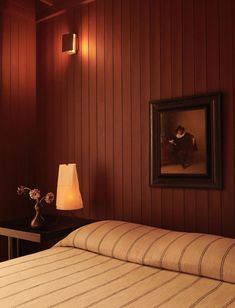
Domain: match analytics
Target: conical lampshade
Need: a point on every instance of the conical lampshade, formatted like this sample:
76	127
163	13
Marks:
68	193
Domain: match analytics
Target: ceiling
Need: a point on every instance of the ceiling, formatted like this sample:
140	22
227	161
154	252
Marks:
48	7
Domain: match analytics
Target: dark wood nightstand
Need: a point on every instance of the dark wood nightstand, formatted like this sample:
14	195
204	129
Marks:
57	227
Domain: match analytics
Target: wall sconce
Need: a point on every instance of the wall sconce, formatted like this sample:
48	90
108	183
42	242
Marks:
70	43
68	193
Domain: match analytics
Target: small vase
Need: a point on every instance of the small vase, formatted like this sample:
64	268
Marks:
38	221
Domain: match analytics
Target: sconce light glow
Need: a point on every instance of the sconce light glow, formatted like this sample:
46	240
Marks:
70	43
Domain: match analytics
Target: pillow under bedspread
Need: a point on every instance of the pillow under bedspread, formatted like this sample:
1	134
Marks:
200	254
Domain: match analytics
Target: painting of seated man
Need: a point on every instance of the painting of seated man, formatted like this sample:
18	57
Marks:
183	142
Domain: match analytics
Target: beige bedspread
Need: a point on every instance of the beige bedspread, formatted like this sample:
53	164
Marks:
118	264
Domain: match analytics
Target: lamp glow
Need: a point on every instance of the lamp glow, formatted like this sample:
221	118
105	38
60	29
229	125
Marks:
68	193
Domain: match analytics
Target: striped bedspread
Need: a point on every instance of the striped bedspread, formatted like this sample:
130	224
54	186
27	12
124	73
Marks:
119	264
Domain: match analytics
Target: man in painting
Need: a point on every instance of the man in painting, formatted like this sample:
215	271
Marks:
183	145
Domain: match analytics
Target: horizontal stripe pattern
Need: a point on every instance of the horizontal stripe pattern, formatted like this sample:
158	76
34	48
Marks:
199	254
94	280
66	276
33	257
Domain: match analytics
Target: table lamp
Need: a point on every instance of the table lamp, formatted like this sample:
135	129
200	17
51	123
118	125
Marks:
68	195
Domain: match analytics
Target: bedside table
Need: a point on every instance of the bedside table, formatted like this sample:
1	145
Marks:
57	228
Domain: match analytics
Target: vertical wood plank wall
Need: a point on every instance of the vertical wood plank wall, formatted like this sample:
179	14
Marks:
17	105
93	108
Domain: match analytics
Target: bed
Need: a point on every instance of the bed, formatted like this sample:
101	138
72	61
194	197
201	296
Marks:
121	264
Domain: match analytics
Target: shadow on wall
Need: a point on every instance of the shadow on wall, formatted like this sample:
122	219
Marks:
2	6
101	197
3	243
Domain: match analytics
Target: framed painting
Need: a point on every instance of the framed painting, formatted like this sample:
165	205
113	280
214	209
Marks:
185	135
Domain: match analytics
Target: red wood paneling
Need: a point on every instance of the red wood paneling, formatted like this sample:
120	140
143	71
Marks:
85	109
200	87
166	84
18	105
109	111
127	110
145	97
118	110
100	204
176	91
226	85
155	92
135	18
213	84
188	89
92	51
132	52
